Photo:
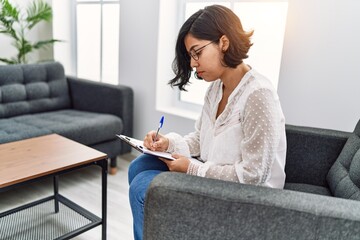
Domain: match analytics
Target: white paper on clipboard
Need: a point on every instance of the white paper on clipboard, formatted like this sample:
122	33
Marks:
139	145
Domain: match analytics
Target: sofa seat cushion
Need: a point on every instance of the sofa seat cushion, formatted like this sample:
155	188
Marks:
85	127
302	187
11	130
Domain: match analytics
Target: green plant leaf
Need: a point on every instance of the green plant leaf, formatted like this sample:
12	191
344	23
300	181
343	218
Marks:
8	16
9	11
24	47
8	61
41	44
16	24
37	12
10	32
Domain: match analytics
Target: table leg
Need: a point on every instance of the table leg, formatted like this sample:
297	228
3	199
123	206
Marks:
104	166
56	193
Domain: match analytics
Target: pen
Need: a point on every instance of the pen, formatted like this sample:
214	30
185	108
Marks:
160	126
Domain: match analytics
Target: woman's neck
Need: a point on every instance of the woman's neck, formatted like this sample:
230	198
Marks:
232	77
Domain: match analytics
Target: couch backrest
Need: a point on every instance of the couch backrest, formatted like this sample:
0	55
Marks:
32	88
344	176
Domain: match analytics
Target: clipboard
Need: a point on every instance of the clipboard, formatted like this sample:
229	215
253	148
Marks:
139	145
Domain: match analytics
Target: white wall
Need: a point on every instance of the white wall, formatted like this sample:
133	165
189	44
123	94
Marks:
42	31
320	74
64	51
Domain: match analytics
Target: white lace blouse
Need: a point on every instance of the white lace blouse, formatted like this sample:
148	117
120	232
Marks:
246	143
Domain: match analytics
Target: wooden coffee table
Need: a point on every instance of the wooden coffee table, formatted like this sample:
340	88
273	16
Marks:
53	217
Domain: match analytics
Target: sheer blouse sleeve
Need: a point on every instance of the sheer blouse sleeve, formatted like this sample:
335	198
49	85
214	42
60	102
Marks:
261	129
188	145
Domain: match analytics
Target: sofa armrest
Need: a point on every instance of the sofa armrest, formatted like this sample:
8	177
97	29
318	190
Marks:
99	97
179	206
311	152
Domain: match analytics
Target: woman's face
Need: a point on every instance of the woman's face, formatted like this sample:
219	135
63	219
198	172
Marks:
205	56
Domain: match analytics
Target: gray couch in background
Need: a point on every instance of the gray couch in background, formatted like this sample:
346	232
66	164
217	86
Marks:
320	199
38	99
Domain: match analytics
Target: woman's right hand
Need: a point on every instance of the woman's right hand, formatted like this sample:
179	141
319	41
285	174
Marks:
161	143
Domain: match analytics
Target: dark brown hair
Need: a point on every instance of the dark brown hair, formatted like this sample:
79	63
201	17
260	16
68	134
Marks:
210	23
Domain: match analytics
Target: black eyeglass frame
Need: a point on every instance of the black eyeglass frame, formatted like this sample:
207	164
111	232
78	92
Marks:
195	53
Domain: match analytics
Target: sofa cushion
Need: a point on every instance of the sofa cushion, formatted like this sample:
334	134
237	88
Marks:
32	88
11	130
344	176
85	127
308	188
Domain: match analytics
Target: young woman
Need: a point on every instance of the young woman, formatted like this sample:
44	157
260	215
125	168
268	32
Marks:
240	135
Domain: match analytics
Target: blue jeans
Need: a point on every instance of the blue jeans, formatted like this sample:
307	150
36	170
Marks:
142	171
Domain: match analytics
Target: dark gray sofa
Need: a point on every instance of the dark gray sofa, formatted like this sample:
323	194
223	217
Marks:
38	99
320	199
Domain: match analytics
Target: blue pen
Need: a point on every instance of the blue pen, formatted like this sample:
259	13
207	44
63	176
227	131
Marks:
160	126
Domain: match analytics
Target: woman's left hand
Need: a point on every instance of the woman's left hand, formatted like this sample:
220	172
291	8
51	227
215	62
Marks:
180	164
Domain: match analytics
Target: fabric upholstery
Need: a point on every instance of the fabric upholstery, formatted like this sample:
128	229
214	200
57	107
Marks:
311	152
84	127
180	206
308	188
13	131
344	175
98	97
32	88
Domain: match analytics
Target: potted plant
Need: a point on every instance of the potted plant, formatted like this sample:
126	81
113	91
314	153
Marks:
17	23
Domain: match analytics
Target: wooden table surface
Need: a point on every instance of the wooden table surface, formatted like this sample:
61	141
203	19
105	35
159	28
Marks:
35	157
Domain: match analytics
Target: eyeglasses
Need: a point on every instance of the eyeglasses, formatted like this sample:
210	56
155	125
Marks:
195	54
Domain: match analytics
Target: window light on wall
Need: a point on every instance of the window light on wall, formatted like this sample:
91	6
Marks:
98	40
90	33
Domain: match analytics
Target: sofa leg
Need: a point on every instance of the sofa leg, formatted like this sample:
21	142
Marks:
113	168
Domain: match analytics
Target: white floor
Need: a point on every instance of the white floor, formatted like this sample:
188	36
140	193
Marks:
84	188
